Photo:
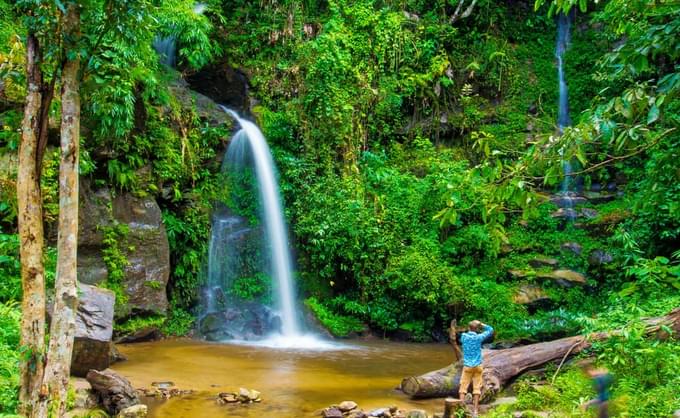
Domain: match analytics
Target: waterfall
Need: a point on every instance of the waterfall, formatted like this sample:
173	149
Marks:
563	119
563	39
166	46
249	141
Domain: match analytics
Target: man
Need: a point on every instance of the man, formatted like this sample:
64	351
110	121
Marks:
602	379
472	361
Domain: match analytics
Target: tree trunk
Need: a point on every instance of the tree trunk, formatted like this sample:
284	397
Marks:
31	235
62	329
501	366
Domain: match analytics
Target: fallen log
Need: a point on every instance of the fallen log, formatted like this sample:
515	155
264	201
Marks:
501	366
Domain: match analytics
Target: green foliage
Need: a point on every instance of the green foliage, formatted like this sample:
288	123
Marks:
338	325
114	256
10	316
10	274
256	287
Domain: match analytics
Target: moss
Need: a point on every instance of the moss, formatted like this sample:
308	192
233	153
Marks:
338	325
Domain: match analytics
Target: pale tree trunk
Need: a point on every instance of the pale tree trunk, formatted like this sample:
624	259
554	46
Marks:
31	235
62	329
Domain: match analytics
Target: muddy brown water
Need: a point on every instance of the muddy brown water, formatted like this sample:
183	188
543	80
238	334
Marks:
293	383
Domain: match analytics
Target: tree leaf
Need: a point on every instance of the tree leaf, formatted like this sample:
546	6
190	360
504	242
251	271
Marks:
653	114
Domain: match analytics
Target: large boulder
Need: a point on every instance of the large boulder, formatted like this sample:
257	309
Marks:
94	329
144	245
147	252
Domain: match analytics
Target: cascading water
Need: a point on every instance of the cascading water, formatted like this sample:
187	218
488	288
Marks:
232	238
250	139
563	119
166	46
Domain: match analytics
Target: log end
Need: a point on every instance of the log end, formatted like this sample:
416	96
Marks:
410	386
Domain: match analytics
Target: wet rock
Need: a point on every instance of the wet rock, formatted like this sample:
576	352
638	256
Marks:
163	385
243	321
347	406
416	413
542	261
114	392
116	356
574	247
332	413
532	296
145	334
564	277
357	413
599	257
378	412
567	201
94	329
136	411
243	396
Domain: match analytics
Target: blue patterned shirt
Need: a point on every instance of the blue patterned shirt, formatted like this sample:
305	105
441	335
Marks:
472	346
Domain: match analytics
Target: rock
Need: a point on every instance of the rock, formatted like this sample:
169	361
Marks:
253	395
145	246
241	321
588	213
243	393
150	333
116	356
567	200
378	412
599	257
94	329
574	247
163	385
416	413
357	413
223	84
564	277
331	413
148	254
346	406
531	295
85	398
115	392
543	261
136	411
599	197
565	213
191	101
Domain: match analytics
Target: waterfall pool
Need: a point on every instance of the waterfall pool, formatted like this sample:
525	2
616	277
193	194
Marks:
293	382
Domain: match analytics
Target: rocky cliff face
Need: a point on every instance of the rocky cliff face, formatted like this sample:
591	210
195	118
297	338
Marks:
144	245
